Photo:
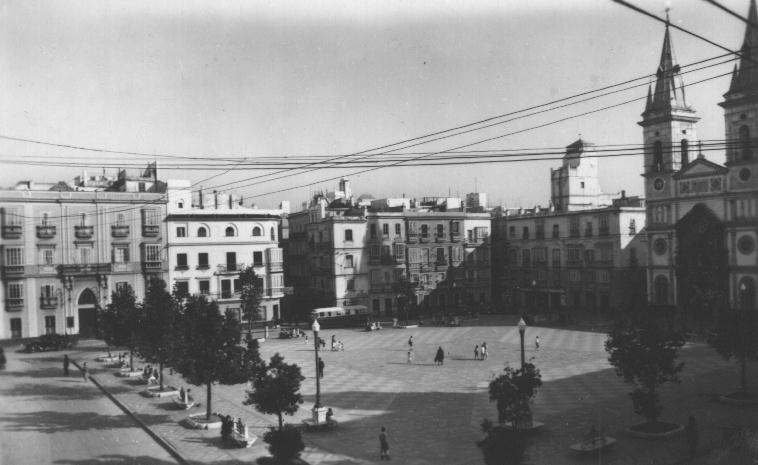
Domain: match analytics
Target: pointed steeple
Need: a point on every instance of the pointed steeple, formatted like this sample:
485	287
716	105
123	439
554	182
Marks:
669	87
745	77
649	102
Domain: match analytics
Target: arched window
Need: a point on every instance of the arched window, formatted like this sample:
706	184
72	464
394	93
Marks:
747	293
257	231
745	149
685	151
229	232
202	232
273	234
657	156
661	290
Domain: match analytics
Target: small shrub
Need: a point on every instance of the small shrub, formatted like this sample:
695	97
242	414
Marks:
284	444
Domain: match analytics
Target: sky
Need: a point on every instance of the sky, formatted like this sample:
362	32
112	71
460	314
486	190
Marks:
226	80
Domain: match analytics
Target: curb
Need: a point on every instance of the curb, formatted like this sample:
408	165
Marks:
162	442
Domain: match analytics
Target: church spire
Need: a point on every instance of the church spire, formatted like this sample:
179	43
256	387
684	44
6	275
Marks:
745	77
669	87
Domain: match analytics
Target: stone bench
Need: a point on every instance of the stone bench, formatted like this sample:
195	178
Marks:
126	373
595	444
309	423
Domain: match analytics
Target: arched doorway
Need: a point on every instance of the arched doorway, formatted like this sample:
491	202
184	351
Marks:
87	305
702	269
661	286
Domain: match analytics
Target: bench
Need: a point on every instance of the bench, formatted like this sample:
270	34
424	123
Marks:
185	405
594	444
309	424
126	373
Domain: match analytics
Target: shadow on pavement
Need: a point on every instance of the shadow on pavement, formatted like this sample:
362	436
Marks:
51	421
117	459
73	389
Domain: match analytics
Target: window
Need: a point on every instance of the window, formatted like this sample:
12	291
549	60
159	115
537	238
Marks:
202	260
386	229
15	328
440	230
122	285
348	235
556	231
372	230
603	276
257	258
181	261
151	217
180	204
512	231
50	324
181	231
85	253
16	293
229	231
237	285
606	253
69	322
204	286
272	234
119	219
47	255
661	290
745	149
441	256
574	226
556	258
181	288
152	252
141	187
14	256
257	231
399	252
526	258
588	229
589	256
604	225
120	254
202	232
574	276
632	226
657	156
82	219
539	255
574	254
685	152
424	231
398	229
525	232
348	261
581	184
455	227
540	230
226	288
350	285
231	261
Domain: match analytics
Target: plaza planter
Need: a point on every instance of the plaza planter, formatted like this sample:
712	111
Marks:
740	399
198	421
168	391
657	430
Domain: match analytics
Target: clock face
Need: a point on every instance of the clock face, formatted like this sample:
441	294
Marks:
658	184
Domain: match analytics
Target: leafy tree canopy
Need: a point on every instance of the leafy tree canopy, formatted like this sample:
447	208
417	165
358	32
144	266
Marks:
513	391
277	390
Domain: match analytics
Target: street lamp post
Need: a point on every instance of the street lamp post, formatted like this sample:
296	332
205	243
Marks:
521	331
316	327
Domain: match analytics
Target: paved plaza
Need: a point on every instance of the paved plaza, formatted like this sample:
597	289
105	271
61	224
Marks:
432	413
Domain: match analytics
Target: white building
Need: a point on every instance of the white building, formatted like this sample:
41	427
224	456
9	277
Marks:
212	239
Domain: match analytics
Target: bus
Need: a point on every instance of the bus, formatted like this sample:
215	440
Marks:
341	317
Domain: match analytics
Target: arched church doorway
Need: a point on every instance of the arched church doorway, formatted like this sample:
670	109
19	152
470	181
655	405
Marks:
702	269
87	305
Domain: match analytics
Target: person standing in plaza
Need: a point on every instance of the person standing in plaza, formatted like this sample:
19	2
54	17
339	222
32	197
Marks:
410	355
410	342
476	352
537	343
483	351
321	366
85	372
439	359
384	446
65	365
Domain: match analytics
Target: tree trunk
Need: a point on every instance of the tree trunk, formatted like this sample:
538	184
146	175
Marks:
160	373
131	360
281	423
208	401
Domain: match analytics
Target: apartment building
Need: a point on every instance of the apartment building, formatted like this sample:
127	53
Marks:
67	246
212	237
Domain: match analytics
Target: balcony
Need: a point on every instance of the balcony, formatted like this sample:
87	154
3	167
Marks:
120	231
439	238
149	266
150	230
275	266
12	231
440	266
14	305
181	268
231	268
84	232
230	295
203	266
85	269
423	238
275	291
11	271
374	260
48	303
46	232
456	237
413	237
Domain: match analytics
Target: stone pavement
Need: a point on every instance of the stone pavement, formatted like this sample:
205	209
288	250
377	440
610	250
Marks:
433	414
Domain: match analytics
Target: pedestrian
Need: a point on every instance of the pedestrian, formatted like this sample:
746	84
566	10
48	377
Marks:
476	352
334	342
439	359
410	342
692	435
85	372
65	365
484	351
410	355
384	446
306	338
321	366
537	343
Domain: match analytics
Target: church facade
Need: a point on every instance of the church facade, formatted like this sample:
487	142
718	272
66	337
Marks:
702	218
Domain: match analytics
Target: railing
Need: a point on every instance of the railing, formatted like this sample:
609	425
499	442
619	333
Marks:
181	267
275	291
120	230
48	303
12	231
412	237
84	232
152	265
13	270
230	295
231	268
203	266
276	266
456	237
46	232
14	305
85	269
150	230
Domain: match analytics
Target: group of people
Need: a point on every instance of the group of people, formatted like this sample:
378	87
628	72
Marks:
229	425
184	395
148	374
480	352
337	345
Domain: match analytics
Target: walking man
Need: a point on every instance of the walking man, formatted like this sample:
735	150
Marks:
65	365
321	365
537	343
384	446
85	372
410	355
410	342
439	359
476	352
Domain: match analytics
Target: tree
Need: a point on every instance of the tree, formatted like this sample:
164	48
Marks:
121	321
250	296
277	390
644	353
736	335
502	445
405	290
207	347
157	333
513	392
